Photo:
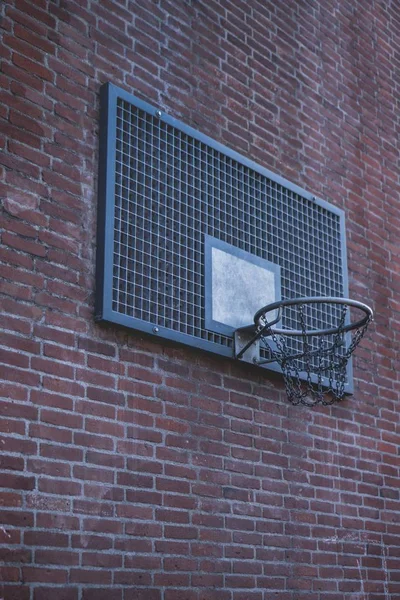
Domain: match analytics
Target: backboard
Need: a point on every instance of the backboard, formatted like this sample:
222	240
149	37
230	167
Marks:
193	237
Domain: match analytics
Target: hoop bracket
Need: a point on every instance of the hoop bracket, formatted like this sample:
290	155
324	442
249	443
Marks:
247	345
312	357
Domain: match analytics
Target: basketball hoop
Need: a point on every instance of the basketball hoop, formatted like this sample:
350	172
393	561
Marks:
313	359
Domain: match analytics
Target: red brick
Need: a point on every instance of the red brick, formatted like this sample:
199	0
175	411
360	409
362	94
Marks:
55	434
102	594
143	594
56	521
9	574
96	346
43	398
138	388
132	578
16	518
93	441
103	526
107	396
9	499
15	555
103	459
102	364
17	291
56	557
104	428
12	426
18	482
64	354
59	486
63	387
90	576
181	594
65	322
135	480
18	410
21	343
61	452
62	419
13	444
89	507
16	592
94	474
31	155
24	245
10	536
64	593
51	468
95	409
52	367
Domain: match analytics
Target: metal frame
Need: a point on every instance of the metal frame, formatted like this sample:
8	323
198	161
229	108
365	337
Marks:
109	95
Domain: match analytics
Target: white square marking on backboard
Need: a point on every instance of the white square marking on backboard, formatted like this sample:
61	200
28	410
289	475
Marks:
239	289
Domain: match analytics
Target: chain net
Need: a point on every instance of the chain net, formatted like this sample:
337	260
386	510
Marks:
317	374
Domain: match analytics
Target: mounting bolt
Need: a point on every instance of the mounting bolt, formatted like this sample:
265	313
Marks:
155	330
158	114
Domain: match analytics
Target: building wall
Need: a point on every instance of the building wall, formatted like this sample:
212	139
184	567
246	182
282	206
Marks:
140	470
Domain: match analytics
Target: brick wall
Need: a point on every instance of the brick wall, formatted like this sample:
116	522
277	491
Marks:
138	470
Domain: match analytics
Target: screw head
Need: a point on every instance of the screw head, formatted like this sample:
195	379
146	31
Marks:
158	114
155	330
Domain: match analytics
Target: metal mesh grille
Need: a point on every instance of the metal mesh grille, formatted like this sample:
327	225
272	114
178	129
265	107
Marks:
170	191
